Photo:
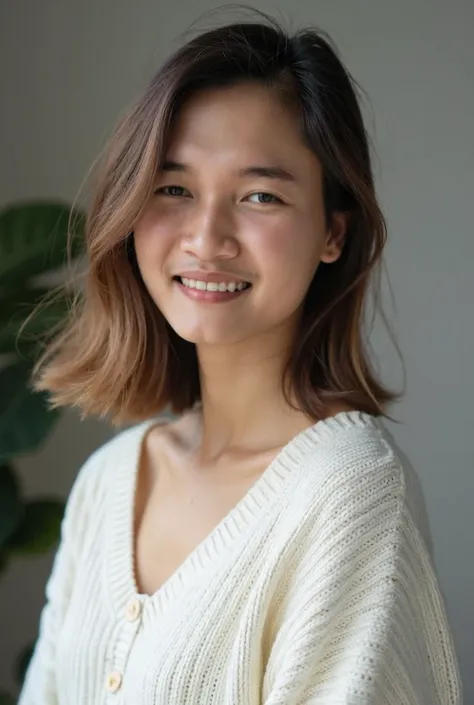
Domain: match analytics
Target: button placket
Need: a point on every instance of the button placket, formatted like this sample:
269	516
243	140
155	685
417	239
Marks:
130	625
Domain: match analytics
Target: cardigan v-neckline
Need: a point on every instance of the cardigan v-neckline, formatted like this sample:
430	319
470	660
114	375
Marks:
269	487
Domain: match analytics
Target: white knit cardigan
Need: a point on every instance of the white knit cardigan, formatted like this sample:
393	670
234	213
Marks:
316	589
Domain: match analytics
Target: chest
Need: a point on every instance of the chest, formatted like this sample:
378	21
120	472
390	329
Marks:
179	513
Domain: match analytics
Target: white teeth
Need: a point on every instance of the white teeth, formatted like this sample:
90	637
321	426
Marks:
213	286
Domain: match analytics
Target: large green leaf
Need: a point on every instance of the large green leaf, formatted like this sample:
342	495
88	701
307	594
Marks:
11	507
33	239
40	529
25	419
16	307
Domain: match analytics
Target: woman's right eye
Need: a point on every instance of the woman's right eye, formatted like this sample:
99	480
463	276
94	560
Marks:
170	190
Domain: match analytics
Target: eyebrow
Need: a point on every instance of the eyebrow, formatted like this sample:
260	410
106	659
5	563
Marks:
267	172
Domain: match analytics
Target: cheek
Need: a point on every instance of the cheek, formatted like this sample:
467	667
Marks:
153	241
289	259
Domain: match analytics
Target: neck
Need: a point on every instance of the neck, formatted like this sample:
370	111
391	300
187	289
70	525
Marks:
243	405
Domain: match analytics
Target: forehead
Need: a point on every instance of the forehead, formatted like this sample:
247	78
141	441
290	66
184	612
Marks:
244	122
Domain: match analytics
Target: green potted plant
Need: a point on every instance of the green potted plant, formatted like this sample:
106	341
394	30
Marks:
33	242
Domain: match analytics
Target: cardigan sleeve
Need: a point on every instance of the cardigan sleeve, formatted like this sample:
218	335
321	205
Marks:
39	687
363	620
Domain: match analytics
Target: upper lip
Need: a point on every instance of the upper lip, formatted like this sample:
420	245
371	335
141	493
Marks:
211	276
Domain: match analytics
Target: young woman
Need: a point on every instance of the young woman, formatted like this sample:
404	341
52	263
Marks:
266	546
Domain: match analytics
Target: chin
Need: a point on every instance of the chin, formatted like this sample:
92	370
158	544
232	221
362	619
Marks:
209	335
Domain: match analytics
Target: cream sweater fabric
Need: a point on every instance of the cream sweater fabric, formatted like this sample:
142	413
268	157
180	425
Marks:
316	589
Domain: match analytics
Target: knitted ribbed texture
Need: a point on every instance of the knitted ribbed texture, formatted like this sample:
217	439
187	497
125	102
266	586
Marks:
316	589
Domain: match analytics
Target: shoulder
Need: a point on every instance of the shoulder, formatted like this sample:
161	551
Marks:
356	508
121	454
126	442
349	451
357	476
102	469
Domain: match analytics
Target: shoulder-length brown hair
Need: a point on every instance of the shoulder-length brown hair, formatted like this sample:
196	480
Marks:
117	355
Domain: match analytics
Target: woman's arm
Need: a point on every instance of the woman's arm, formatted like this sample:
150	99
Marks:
364	621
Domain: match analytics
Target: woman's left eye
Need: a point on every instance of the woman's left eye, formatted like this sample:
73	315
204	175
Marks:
267	197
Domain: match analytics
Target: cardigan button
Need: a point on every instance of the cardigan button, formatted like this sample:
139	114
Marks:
113	682
132	610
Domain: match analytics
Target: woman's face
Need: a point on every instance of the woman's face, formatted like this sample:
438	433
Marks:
238	207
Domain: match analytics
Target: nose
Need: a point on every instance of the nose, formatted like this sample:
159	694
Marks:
209	233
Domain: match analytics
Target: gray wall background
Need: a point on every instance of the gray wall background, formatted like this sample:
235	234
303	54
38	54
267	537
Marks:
68	69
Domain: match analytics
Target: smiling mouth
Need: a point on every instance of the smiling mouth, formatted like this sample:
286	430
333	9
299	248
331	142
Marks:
222	287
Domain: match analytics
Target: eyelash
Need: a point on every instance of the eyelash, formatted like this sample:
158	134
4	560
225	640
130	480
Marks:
266	193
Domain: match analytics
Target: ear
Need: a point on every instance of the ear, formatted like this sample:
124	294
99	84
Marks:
336	237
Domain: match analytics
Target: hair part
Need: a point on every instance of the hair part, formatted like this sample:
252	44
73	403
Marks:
117	355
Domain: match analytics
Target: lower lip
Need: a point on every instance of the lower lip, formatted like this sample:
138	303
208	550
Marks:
210	297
